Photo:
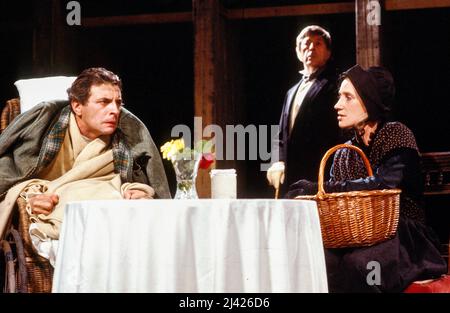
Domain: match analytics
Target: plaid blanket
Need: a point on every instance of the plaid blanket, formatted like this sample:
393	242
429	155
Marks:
53	142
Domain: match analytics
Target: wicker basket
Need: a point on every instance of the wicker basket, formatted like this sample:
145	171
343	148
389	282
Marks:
356	218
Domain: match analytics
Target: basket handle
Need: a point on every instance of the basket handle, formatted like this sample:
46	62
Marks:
324	160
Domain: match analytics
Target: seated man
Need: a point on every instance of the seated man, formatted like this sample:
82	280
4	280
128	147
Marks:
85	149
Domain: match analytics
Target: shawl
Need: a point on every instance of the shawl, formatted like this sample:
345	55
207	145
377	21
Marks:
348	165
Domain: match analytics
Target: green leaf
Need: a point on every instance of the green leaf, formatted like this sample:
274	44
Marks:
204	146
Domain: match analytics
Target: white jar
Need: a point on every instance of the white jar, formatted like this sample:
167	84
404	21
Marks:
223	184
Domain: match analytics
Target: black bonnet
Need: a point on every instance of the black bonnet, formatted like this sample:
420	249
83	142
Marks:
376	88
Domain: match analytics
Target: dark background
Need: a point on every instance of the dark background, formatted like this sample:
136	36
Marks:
155	62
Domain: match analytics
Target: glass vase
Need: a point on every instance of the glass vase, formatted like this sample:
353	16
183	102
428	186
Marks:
186	168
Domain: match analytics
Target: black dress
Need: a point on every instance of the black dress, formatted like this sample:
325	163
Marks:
413	253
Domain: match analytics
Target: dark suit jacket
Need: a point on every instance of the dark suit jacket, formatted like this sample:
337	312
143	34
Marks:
315	129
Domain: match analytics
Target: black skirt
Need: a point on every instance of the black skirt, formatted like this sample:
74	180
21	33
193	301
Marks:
390	266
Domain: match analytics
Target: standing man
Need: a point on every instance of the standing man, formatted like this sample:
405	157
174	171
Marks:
308	124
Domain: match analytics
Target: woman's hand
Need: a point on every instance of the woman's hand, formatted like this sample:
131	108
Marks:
301	188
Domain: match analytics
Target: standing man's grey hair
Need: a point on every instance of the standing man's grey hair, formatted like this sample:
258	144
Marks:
315	30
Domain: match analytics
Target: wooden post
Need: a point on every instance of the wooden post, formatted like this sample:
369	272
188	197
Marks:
208	65
368	21
214	89
51	43
64	41
42	37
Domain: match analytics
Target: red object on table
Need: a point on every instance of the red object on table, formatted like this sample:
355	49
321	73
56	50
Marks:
206	161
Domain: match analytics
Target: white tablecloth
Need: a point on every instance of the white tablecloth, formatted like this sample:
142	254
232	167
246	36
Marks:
255	245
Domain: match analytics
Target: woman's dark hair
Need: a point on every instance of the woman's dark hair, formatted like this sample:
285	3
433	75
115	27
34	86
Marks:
81	87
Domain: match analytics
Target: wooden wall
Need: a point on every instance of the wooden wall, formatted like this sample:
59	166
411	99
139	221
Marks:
227	63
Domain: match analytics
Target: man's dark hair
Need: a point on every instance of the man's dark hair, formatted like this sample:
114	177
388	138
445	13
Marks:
315	30
94	76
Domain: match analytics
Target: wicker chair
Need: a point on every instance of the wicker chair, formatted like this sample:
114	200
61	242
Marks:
25	270
436	170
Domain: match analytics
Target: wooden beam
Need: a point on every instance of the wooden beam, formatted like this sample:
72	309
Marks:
246	13
367	36
156	18
264	12
291	10
393	5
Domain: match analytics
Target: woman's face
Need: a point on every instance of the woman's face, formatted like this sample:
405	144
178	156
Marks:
350	108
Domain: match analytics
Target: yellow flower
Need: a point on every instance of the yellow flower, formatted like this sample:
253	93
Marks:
165	148
179	144
171	148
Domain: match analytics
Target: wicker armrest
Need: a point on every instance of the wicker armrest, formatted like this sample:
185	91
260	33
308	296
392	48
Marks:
9	112
40	271
31	272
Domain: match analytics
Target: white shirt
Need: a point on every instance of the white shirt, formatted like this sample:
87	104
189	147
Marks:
298	100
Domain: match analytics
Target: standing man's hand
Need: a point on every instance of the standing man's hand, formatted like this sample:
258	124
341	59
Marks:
275	174
43	204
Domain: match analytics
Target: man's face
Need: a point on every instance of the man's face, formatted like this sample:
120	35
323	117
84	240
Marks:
312	51
100	115
350	108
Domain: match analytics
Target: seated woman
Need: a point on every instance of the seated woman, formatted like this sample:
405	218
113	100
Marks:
363	106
